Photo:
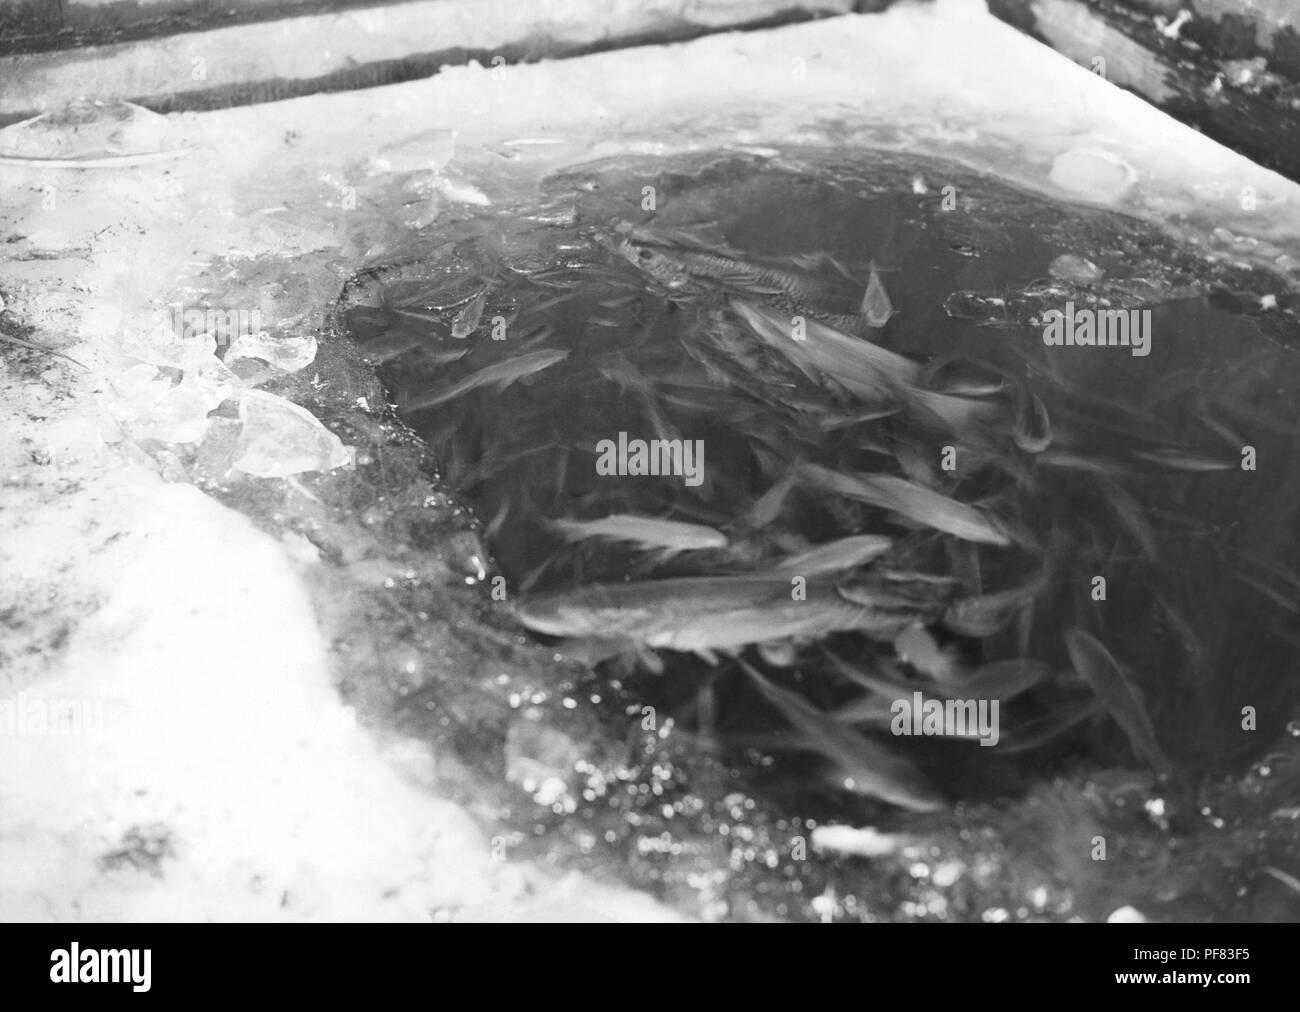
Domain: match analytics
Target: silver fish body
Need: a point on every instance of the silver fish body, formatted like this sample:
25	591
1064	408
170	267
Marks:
706	614
502	374
648	532
915	502
861	764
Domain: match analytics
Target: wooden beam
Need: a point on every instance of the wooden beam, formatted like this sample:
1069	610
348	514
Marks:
363	46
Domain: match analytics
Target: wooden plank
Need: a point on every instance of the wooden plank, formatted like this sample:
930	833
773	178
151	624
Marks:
1229	68
363	47
28	26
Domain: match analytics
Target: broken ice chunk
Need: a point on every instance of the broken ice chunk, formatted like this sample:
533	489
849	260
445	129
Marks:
288	354
151	406
1069	267
1093	174
279	439
428	150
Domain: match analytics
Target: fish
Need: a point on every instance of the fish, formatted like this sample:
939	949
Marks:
592	651
1038	732
918	647
467	320
1178	460
849	841
647	532
664	269
553	301
779	653
767	507
1093	464
397	341
941	583
1131	515
867	361
837	556
1032	429
988	614
820	259
486	467
999	680
416	314
536	337
700	269
502	374
876	308
701	261
872	681
869	372
1287	879
964	378
864	766
1272	579
704	614
920	599
913	502
1116	691
830	421
680	238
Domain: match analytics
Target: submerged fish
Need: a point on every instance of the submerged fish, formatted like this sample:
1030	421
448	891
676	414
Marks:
1038	732
837	556
1272	579
988	614
700	269
1000	680
1094	464
1032	430
717	265
879	683
779	653
922	599
1118	694
706	613
914	502
767	507
648	532
1131	515
861	764
397	341
467	320
1180	461
872	373
669	272
918	647
964	378
876	307
500	373
850	360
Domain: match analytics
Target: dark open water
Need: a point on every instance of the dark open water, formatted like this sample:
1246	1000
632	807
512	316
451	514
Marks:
1201	598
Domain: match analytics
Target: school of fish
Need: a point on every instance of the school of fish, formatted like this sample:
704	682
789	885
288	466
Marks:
880	525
